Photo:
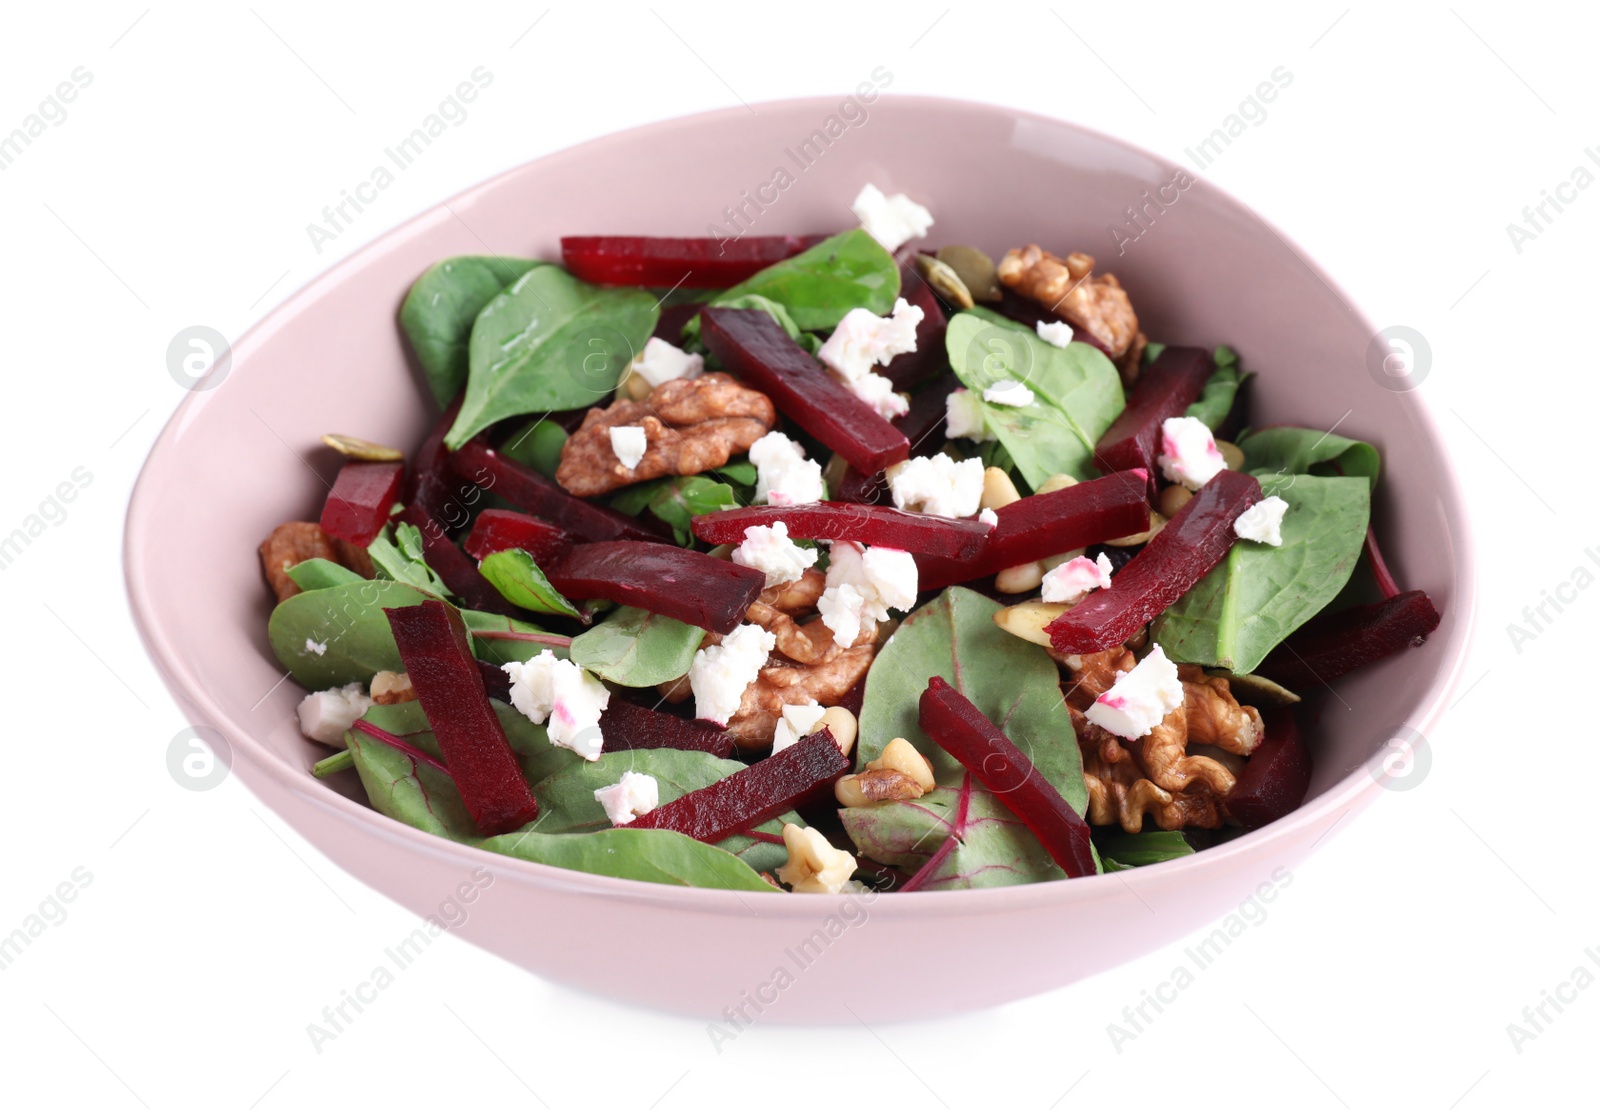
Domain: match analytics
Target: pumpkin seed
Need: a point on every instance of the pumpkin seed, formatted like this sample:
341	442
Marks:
944	280
365	451
976	269
1257	691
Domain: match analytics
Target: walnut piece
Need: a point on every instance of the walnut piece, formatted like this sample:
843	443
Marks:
391	687
1069	287
690	426
291	543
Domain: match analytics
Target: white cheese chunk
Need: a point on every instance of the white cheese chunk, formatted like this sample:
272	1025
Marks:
1263	521
892	220
565	693
769	550
964	418
939	485
864	584
863	340
661	362
719	674
631	797
1069	582
628	444
1189	454
988	517
320	648
784	476
1140	699
797	721
1055	333
1013	394
326	716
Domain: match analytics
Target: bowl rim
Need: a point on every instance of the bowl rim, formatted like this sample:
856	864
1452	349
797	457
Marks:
1325	811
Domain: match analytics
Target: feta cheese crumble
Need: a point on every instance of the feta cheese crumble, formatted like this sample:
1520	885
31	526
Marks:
939	485
326	716
628	444
1140	699
862	340
798	720
566	694
988	517
964	418
1071	581
1189	454
1056	333
1013	394
784	476
719	674
629	798
320	648
864	584
661	362
893	219
1263	521
769	550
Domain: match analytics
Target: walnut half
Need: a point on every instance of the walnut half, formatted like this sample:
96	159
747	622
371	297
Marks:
1071	288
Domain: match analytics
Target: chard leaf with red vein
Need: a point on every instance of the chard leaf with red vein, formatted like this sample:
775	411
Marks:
636	648
995	849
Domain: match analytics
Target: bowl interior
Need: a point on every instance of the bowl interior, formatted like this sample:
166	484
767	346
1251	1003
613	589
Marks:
242	457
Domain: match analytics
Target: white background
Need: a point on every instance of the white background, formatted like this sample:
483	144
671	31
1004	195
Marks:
177	192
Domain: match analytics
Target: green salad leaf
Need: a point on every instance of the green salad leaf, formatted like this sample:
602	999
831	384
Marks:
1303	450
995	848
1216	398
1120	850
537	445
547	343
819	286
316	574
515	575
1077	392
1013	682
441	307
1260	594
636	648
397	554
677	501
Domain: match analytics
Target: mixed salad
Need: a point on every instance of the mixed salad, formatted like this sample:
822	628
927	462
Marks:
827	564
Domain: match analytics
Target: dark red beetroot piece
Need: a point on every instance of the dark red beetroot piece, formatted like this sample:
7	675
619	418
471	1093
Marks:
627	726
358	505
929	359
1326	648
955	723
496	684
751	345
432	484
840	520
1177	558
668	262
451	564
536	494
438	657
495	530
1165	389
1275	779
663	578
924	421
1045	524
753	795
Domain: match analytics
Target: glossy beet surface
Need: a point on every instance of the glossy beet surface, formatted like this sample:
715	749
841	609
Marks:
1167	387
434	647
1177	558
663	578
753	795
751	345
1326	648
628	726
929	359
1275	779
533	493
452	565
955	723
358	504
495	530
670	262
864	524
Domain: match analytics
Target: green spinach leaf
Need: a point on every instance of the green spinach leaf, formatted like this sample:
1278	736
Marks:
691	329
1260	594
819	286
318	574
1302	450
995	848
399	557
636	648
1077	392
1122	851
1216	399
516	576
1013	682
440	308
537	445
677	501
549	342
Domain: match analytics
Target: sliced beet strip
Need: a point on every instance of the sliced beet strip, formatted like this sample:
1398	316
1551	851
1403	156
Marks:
1046	524
534	493
923	426
1165	389
627	726
495	530
438	658
753	795
358	504
1326	648
955	723
1177	558
452	565
841	520
930	358
667	262
431	483
751	345
1275	779
663	578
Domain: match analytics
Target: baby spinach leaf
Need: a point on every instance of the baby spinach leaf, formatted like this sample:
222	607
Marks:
677	501
537	445
1077	392
636	648
1261	594
1122	851
995	848
741	471
1216	398
819	286
318	574
400	559
516	576
780	314
1013	682
546	343
440	308
1303	450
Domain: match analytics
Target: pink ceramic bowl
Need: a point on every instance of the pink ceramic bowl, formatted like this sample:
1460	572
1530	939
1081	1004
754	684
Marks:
233	462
